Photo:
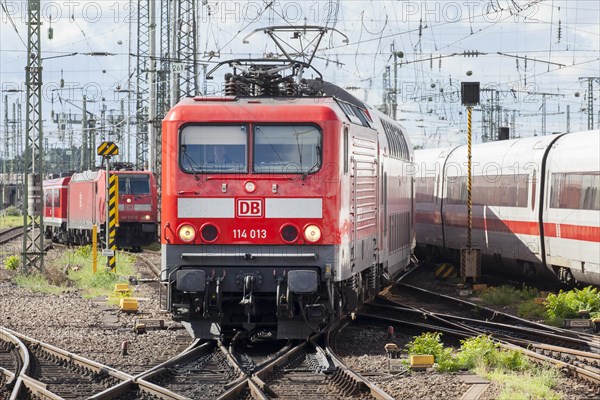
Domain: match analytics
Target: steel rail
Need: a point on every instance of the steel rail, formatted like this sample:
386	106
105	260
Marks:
28	383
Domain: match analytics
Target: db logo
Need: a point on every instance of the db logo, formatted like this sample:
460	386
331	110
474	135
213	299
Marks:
249	208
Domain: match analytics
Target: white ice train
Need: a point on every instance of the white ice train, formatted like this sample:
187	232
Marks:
536	204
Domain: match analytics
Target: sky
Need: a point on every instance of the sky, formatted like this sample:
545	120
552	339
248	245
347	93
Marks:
522	48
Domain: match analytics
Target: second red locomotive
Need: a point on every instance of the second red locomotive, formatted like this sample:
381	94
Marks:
72	205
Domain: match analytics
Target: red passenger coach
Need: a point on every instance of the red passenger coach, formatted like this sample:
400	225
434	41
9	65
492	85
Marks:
280	212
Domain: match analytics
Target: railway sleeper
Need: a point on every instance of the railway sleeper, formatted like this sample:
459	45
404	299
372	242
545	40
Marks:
347	385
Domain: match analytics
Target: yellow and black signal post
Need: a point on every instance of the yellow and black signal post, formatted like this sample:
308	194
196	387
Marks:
107	150
470	258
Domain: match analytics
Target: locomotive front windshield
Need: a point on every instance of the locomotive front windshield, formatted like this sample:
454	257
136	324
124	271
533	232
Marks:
213	148
134	184
294	149
286	149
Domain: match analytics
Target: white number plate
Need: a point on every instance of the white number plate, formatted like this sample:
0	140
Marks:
249	233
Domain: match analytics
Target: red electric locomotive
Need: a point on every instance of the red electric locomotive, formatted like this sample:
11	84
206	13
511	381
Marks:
285	203
73	205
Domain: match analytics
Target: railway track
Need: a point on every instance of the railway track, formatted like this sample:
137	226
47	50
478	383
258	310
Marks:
46	372
14	360
574	353
9	234
34	370
416	296
308	370
203	372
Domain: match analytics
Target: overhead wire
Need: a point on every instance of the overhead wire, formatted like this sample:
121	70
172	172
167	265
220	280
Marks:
3	4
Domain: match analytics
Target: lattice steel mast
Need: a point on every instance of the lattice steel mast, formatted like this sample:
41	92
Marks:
590	99
186	80
142	89
33	223
162	76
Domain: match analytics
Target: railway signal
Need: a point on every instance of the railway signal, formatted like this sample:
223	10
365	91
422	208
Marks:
470	258
107	150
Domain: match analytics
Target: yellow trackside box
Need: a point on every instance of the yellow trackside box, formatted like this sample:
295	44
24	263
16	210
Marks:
421	361
479	287
121	287
128	304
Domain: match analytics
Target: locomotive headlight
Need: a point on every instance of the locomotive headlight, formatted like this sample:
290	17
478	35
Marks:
187	233
312	233
147	217
128	200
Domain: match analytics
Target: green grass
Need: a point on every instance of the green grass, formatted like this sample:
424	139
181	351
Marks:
80	275
507	295
7	222
511	369
37	283
528	309
568	304
430	343
12	262
101	283
535	385
477	352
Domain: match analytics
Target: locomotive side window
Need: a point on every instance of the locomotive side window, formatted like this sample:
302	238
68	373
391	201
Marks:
292	149
213	148
575	191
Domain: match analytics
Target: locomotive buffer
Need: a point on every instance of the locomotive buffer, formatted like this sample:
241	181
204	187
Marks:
107	150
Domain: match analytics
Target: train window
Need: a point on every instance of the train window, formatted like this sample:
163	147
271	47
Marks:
578	191
503	191
355	114
396	141
55	198
457	190
292	149
533	189
424	189
346	152
134	184
213	148
590	192
139	184
48	198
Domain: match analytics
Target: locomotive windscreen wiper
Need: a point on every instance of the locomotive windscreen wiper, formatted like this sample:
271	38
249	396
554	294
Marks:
315	165
190	160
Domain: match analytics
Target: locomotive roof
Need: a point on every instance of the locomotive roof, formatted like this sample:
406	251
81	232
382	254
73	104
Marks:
320	89
332	90
56	181
87	176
